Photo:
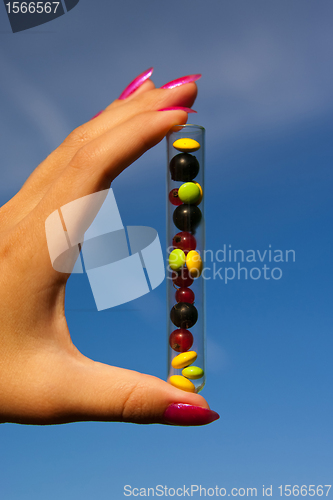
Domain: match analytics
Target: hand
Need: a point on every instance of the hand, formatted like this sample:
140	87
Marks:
44	379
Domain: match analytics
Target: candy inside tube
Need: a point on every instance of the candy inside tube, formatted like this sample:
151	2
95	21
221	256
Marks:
185	251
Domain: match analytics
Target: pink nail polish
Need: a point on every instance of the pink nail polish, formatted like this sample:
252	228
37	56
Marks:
188	110
135	84
181	81
99	113
185	414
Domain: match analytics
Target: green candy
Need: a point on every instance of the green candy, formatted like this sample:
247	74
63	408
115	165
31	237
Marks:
193	372
177	259
189	192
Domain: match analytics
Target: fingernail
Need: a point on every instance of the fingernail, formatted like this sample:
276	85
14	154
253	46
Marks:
135	84
185	414
181	81
99	113
182	108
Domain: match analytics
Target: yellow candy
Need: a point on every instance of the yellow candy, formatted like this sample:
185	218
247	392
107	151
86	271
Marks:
194	264
201	195
186	144
182	383
184	359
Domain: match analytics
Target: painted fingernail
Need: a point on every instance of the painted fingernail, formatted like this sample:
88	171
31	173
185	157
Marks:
182	108
135	84
181	81
99	113
185	414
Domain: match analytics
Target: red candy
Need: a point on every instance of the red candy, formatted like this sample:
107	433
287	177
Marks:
182	278
181	340
185	295
185	241
173	197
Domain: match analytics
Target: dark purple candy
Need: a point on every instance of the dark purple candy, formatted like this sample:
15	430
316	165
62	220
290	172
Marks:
184	167
184	315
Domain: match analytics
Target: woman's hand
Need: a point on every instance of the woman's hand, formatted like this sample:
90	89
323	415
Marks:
44	379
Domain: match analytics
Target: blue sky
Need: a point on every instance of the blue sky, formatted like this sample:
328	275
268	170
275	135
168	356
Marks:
266	102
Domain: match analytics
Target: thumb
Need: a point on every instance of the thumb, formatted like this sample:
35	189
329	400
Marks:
106	393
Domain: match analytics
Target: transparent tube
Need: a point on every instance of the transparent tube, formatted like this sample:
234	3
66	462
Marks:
185	252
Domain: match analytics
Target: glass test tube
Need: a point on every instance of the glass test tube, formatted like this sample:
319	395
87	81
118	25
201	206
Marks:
185	247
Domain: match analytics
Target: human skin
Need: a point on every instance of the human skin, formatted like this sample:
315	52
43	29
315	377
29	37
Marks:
44	379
